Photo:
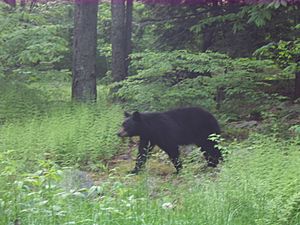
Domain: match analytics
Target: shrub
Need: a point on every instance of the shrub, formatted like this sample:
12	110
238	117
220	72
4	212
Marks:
212	80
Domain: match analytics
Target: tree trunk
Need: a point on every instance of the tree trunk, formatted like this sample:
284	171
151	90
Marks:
12	3
129	8
32	5
118	40
297	84
208	35
84	51
23	3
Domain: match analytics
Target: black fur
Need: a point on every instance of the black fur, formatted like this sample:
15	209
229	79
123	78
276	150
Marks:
169	130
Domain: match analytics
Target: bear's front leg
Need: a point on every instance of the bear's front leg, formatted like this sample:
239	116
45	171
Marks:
144	148
173	153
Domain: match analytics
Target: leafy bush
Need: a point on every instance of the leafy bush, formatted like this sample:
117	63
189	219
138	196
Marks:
170	79
179	78
33	41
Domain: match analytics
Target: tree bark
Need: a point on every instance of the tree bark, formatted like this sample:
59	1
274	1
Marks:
12	3
84	51
128	20
118	40
208	35
297	84
32	5
23	3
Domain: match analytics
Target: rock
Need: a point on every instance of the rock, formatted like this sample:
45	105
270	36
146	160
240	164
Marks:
245	124
73	179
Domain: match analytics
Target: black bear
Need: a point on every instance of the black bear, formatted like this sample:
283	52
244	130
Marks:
168	130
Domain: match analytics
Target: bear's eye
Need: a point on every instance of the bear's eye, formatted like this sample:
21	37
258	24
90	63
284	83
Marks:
125	125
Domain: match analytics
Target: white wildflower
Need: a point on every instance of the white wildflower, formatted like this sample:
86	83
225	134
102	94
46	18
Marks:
167	205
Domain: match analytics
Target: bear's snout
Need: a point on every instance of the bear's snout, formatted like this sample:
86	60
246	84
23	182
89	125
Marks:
122	133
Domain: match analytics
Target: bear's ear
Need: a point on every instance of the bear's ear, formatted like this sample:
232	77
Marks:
127	114
136	116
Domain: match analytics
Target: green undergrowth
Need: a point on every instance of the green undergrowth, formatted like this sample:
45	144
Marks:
68	134
258	184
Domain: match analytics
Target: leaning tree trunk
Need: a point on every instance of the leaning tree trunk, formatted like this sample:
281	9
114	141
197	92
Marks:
297	84
118	40
84	51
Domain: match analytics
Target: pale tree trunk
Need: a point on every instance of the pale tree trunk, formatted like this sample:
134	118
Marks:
118	40
84	51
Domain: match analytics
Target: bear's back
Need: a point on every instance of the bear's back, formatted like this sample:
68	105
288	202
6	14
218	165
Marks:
181	126
194	117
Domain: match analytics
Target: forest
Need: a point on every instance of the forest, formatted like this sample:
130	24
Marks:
70	69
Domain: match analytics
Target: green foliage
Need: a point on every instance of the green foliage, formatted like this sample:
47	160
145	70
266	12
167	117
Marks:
75	135
41	132
164	79
251	188
277	3
245	87
38	127
33	41
35	45
18	101
179	78
104	29
224	26
258	14
285	53
38	190
291	211
219	140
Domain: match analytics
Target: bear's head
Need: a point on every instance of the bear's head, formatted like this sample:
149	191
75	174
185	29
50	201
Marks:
131	125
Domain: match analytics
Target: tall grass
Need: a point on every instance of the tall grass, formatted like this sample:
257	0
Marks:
66	133
258	184
69	136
